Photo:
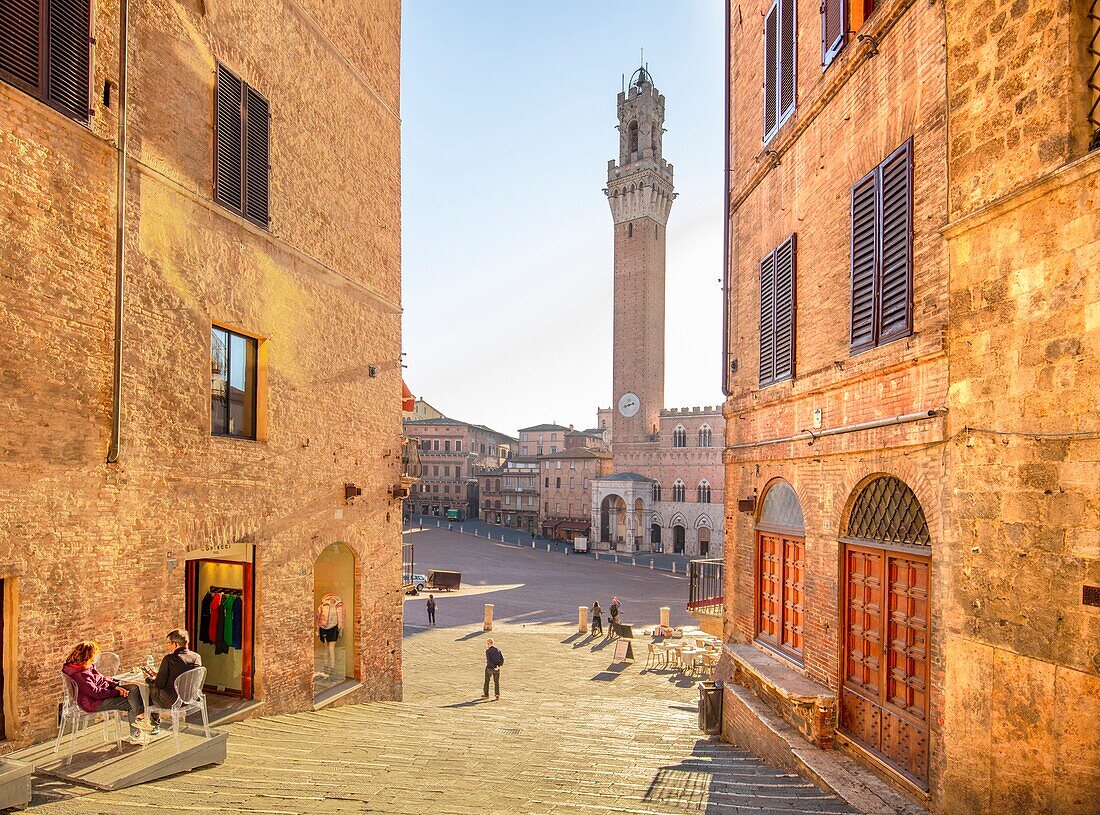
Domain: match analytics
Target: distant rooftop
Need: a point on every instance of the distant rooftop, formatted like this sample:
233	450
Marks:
542	428
624	477
452	422
578	452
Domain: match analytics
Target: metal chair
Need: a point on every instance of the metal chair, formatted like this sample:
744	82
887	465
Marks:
75	716
189	699
108	663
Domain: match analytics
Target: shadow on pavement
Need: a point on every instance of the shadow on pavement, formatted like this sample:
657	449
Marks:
570	638
473	635
470	703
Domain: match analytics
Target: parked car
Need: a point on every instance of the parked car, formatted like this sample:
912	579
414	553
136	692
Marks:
415	583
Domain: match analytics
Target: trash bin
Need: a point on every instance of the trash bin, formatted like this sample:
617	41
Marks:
710	708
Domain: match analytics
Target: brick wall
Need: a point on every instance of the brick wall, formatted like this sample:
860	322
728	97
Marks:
98	551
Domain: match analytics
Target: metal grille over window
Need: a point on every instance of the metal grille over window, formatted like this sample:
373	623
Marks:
887	510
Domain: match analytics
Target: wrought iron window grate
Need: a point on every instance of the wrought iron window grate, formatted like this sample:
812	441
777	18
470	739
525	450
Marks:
1094	71
887	510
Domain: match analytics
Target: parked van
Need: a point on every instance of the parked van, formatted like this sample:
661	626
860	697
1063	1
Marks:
456	515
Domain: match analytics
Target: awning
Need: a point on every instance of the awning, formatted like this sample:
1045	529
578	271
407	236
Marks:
574	526
408	401
550	524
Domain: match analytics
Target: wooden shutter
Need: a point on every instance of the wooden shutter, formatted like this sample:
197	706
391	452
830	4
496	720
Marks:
787	66
257	120
864	261
21	42
833	15
68	40
228	158
895	267
784	309
771	63
767	320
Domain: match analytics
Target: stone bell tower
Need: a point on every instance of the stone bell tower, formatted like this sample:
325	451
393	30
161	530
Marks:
639	189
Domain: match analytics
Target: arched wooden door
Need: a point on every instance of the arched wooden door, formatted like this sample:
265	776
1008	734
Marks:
886	608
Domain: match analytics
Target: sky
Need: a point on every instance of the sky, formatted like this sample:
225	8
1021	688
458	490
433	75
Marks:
508	122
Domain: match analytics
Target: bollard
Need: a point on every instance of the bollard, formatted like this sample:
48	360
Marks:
582	619
460	529
651	563
616	558
664	616
674	567
488	624
547	547
633	561
597	556
477	534
532	543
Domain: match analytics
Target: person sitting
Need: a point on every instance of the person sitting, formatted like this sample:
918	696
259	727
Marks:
178	659
96	692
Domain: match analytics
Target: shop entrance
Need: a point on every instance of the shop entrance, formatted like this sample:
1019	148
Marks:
679	538
886	610
219	620
334	601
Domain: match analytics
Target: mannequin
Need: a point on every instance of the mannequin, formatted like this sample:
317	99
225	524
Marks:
330	624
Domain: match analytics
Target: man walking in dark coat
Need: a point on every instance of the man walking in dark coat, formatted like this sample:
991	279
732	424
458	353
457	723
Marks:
493	660
431	609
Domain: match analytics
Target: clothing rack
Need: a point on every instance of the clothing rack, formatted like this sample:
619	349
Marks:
226	590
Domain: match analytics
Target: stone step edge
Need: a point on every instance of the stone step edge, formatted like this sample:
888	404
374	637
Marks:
839	774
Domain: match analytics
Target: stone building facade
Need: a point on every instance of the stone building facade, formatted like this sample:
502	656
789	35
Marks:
910	359
260	346
452	453
665	492
508	495
565	484
542	439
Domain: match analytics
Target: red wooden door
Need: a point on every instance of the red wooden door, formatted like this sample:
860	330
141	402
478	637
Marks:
884	695
781	592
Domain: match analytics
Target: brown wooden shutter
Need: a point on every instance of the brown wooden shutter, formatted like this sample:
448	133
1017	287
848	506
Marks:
864	261
895	267
256	157
784	309
228	158
21	42
787	35
771	63
767	319
69	55
833	15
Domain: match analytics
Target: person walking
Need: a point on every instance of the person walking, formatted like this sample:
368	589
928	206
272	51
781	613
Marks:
494	659
431	609
613	613
597	618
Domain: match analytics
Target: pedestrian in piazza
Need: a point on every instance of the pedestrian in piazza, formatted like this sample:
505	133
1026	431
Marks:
613	612
494	659
597	618
431	609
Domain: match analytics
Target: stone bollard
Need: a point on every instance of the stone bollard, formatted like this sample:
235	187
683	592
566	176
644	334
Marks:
477	534
634	561
664	616
651	564
674	567
532	543
582	619
488	625
547	547
597	556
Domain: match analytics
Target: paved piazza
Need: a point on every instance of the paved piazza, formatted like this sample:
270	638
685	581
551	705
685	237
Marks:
573	733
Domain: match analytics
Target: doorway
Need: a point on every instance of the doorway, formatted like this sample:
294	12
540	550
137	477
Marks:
334	649
220	618
679	539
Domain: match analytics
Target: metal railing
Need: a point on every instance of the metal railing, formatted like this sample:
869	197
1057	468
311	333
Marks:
705	591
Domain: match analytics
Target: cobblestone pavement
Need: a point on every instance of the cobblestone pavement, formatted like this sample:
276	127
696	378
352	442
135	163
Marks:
573	733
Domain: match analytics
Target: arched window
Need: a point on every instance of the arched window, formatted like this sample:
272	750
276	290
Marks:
678	490
781	570
703	491
632	137
704	435
680	436
656	491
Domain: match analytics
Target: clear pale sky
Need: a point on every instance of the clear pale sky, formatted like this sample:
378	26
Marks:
508	112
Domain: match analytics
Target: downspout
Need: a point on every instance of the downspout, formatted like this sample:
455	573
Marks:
814	435
727	312
120	235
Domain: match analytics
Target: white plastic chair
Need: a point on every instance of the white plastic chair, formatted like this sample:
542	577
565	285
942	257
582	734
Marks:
75	716
108	663
189	699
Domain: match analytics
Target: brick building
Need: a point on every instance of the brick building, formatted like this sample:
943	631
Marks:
911	443
452	453
665	491
541	439
258	342
565	482
508	495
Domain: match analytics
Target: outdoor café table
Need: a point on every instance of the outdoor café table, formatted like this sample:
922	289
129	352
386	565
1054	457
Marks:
688	655
135	678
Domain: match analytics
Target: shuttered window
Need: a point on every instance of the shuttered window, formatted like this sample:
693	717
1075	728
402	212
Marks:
46	50
779	65
834	13
242	144
777	314
882	252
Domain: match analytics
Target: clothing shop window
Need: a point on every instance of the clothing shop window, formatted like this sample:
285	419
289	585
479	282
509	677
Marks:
334	641
219	600
233	374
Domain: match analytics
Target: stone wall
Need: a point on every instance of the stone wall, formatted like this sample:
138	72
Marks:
90	550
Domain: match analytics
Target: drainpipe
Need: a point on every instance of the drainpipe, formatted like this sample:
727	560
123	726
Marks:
120	230
727	310
848	428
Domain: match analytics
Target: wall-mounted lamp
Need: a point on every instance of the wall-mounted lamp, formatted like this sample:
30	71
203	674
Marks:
351	491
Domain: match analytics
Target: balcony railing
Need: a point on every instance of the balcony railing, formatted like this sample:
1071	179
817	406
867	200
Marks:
705	591
412	470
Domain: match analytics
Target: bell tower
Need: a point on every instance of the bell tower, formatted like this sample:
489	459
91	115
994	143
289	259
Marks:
639	189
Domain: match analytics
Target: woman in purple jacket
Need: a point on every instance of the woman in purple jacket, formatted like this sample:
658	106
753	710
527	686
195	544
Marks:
96	692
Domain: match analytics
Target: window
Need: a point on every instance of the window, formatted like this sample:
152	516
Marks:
553	437
704	435
523	437
546	507
679	436
630	230
507	500
435	470
435	445
572	482
572	465
553	448
838	18
557	483
586	483
458	446
882	253
446	488
703	492
632	132
241	144
458	472
777	314
656	492
47	52
447	446
678	490
547	484
779	65
482	448
232	384
557	464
